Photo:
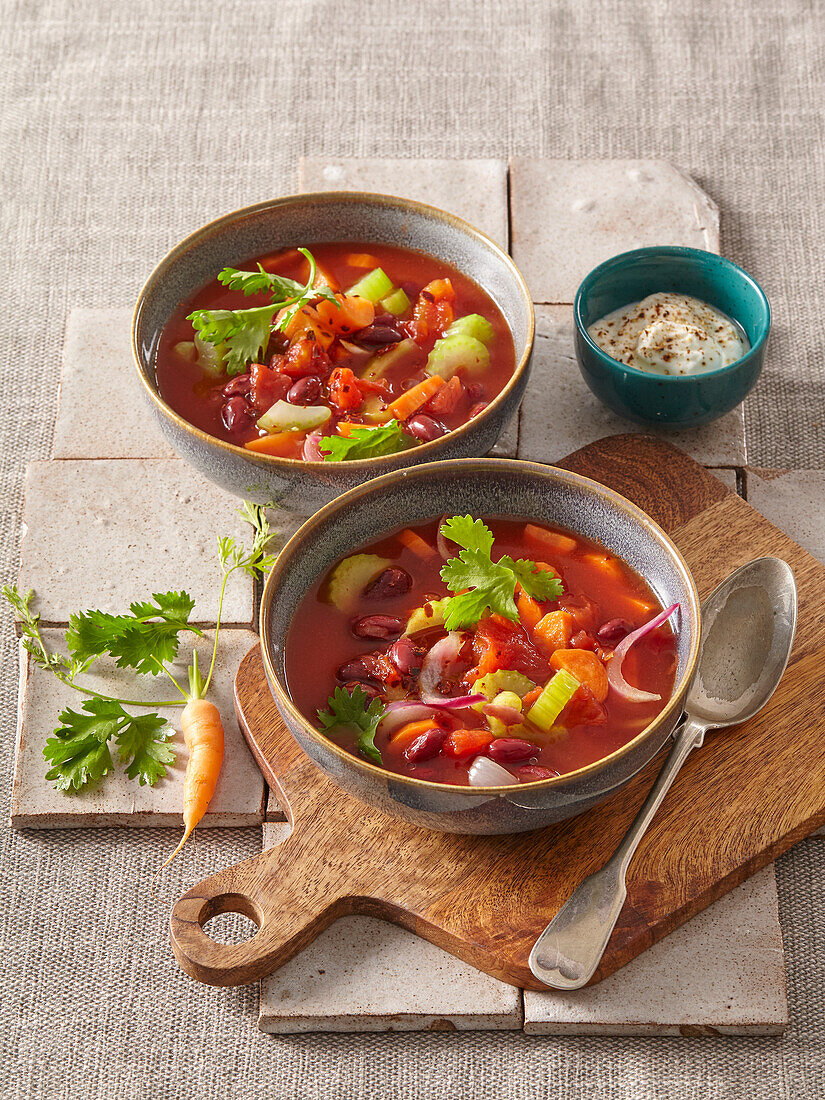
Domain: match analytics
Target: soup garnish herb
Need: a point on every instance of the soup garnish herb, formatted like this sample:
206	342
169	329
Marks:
364	442
355	708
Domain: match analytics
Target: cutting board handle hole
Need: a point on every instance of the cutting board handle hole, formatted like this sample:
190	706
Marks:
230	918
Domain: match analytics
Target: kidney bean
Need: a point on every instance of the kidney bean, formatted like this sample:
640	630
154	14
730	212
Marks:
377	626
236	414
392	582
476	409
532	772
356	669
475	392
426	429
306	391
377	336
386	319
370	690
238	387
613	631
425	746
404	656
506	750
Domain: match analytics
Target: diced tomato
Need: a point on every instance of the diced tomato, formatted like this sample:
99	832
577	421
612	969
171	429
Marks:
304	357
344	392
499	643
584	709
378	385
583	611
463	742
440	290
583	640
447	399
444	317
268	386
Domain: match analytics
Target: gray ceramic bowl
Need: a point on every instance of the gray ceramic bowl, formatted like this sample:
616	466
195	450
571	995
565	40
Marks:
488	487
298	486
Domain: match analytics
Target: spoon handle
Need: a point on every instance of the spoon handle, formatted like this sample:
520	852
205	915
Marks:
569	950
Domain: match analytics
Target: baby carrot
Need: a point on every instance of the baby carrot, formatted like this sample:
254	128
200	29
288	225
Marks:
404	406
203	736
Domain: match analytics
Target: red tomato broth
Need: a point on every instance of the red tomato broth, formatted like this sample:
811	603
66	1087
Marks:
320	638
199	398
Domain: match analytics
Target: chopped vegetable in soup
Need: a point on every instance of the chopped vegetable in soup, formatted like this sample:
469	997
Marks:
482	652
339	353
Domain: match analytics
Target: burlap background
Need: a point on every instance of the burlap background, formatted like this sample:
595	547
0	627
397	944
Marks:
127	125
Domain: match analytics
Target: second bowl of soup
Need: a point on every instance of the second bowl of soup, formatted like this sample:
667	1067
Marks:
487	648
295	349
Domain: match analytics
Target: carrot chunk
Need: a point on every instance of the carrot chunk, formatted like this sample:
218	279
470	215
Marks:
407	734
529	610
420	547
586	667
552	542
281	444
467	742
554	631
351	313
404	406
362	259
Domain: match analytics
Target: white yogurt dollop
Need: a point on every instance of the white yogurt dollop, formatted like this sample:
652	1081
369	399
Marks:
670	334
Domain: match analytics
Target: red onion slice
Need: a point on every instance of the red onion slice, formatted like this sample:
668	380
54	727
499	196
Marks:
438	664
508	715
485	772
614	665
442	543
398	714
312	450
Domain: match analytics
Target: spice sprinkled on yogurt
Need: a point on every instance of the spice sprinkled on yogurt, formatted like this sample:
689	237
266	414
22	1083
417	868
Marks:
670	334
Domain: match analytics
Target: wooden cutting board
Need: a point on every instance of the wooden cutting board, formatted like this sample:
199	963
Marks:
739	802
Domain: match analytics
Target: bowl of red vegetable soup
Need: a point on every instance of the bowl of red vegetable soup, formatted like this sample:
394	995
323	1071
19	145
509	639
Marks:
294	349
480	646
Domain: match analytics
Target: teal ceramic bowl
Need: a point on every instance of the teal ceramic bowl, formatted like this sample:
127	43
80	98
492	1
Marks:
680	401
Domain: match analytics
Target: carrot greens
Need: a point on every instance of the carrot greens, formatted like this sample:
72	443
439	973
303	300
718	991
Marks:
147	640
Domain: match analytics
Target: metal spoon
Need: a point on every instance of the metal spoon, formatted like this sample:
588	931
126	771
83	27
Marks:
748	626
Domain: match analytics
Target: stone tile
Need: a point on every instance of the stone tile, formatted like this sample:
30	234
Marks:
727	476
364	974
570	215
507	444
794	500
102	533
721	973
559	414
117	800
476	190
103	413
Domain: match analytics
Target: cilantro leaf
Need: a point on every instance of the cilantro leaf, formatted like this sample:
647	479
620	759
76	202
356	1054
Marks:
491	585
141	640
78	750
539	583
355	708
245	332
483	585
471	534
364	442
260	282
143	743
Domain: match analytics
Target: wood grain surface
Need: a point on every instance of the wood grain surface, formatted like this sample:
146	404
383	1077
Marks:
743	799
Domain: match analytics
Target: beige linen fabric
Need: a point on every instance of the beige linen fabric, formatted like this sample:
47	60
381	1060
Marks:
127	125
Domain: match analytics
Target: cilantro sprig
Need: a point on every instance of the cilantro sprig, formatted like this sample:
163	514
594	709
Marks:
146	640
365	442
355	708
245	333
483	585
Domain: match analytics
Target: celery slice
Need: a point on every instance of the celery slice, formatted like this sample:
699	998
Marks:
420	620
283	417
374	286
210	356
555	696
497	727
502	680
351	576
473	324
186	349
397	303
452	353
406	352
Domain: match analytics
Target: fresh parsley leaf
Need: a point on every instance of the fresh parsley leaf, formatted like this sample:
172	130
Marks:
355	708
142	640
483	585
364	442
469	533
245	332
78	751
143	743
